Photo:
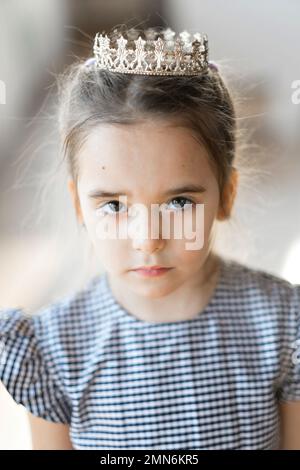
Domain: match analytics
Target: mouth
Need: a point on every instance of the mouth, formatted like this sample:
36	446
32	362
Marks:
151	271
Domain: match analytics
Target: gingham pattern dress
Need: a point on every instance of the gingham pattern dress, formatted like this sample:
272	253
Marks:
210	382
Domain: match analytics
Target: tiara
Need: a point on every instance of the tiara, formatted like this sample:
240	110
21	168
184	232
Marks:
158	53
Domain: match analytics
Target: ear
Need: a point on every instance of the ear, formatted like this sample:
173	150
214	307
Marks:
75	199
229	194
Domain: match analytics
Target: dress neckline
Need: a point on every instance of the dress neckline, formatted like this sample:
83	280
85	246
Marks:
127	316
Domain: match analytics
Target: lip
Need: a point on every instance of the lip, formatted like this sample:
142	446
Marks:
151	271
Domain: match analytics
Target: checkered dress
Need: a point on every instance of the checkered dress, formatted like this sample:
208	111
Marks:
211	382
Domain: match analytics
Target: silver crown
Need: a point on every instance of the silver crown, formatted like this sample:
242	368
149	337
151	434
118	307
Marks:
161	53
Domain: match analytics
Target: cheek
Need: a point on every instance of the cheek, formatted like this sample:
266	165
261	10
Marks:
110	251
196	233
113	254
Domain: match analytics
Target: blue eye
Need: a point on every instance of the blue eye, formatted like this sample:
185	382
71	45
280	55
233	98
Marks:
181	198
109	204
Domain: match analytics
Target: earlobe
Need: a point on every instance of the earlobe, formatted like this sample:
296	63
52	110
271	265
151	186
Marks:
74	196
71	187
229	195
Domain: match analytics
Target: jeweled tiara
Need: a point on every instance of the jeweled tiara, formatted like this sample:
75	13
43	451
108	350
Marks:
152	52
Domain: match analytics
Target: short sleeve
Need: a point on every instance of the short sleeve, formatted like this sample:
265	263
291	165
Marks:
290	387
25	372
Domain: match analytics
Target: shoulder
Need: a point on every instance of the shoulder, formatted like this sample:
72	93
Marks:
70	329
263	309
74	313
56	333
266	279
262	301
26	371
258	285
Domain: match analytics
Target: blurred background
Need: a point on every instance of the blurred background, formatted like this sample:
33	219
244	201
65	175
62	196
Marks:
43	252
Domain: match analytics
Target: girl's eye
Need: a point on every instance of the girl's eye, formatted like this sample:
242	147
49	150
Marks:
109	205
184	199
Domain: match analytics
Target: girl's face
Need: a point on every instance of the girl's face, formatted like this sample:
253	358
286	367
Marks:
147	163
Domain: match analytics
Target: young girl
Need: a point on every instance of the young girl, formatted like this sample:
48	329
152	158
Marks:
199	352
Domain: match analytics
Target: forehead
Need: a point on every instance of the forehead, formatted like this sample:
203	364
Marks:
150	151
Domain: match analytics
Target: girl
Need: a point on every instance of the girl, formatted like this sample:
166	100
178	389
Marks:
199	352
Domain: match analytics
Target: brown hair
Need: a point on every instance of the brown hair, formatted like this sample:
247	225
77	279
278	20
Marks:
203	103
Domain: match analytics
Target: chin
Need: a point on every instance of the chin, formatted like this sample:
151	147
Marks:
154	292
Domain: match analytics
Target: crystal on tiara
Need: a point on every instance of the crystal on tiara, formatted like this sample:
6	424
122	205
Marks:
156	53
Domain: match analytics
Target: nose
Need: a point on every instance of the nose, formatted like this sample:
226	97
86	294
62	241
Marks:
143	239
148	246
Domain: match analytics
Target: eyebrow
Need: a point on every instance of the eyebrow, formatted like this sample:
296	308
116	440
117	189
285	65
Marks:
189	188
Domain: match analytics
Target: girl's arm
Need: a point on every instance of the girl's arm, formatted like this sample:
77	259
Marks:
290	425
47	435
